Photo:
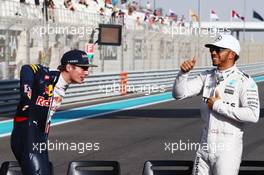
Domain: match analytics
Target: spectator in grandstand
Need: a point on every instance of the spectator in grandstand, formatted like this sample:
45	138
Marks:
51	4
51	10
172	20
161	20
102	15
148	6
138	20
108	4
121	14
172	17
30	2
68	4
114	16
152	20
134	4
131	9
36	2
83	2
146	16
155	13
121	17
22	10
181	20
22	1
101	11
41	93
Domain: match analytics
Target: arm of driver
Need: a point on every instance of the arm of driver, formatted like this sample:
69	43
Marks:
249	109
184	87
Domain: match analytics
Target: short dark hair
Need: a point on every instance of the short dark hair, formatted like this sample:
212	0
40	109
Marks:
236	57
62	68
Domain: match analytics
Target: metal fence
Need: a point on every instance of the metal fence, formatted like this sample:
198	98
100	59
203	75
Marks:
109	85
9	95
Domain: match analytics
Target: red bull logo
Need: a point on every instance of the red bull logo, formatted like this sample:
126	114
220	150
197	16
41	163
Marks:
42	102
48	90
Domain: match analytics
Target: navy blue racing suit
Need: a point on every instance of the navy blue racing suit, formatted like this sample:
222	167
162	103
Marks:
32	118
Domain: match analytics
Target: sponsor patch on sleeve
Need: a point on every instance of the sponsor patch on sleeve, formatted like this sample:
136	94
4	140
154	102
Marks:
229	91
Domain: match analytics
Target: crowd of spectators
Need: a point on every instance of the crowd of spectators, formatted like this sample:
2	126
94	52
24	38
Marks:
132	9
152	16
69	5
30	1
83	2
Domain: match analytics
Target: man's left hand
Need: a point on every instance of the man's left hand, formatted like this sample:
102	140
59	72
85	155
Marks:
213	99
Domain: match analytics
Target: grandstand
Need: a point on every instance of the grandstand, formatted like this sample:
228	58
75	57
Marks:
148	43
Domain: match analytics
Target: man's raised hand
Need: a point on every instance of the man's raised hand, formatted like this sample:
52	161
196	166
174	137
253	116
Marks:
188	65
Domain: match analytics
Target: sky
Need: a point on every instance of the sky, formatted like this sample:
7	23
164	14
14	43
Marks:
223	9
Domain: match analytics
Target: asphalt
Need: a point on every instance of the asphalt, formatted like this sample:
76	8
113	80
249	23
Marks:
131	137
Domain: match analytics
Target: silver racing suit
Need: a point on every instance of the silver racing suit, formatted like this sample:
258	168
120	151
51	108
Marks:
220	148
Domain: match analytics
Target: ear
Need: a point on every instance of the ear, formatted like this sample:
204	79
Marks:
232	55
68	67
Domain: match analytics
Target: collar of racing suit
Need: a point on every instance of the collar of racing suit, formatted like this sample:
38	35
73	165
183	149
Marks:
58	94
221	75
61	87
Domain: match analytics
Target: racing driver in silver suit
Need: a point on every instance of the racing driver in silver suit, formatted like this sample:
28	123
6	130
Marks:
229	100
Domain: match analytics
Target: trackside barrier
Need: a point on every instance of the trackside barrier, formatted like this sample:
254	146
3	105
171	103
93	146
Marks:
9	96
109	85
94	168
178	167
13	168
173	167
151	167
249	167
10	168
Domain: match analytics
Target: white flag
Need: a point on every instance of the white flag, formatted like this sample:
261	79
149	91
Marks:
213	15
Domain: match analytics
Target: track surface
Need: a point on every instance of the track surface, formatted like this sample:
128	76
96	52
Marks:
134	136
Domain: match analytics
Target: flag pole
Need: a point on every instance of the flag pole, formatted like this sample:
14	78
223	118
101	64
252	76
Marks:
199	25
210	15
244	29
231	18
